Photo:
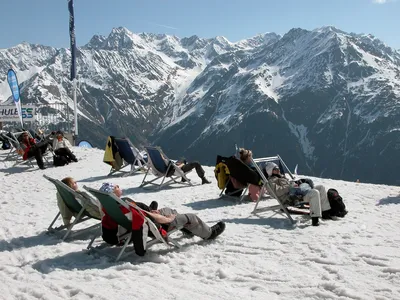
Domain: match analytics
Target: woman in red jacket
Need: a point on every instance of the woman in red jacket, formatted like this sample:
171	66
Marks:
31	148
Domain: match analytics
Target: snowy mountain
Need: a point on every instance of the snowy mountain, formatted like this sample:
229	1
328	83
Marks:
257	257
324	99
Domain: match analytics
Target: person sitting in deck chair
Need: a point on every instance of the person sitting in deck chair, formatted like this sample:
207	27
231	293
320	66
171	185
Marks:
66	214
285	191
31	148
246	157
188	166
167	217
61	147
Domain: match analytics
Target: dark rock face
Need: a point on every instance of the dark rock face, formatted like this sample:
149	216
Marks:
326	100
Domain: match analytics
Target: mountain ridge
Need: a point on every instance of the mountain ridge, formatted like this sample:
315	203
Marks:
309	92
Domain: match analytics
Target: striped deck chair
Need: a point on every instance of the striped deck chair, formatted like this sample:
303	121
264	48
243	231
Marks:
71	197
111	204
162	170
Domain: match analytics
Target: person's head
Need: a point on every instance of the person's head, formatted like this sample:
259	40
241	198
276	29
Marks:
70	182
109	187
25	135
59	135
245	155
272	168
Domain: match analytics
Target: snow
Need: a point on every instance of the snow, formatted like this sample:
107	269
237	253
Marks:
257	257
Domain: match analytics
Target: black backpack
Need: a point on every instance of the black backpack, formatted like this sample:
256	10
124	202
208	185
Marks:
60	160
338	208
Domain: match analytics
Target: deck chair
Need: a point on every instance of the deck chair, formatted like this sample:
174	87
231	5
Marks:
279	208
110	202
242	173
130	156
71	198
162	170
16	151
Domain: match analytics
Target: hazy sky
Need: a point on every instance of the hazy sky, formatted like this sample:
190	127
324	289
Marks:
46	21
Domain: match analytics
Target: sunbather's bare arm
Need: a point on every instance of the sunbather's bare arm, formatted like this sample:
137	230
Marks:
160	218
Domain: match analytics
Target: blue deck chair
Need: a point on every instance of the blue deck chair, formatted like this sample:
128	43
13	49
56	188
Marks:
70	198
111	203
131	157
162	170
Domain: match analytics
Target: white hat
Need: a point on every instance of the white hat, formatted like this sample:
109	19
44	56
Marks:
269	167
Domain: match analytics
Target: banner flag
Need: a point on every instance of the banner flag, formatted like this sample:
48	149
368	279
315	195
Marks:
72	38
13	83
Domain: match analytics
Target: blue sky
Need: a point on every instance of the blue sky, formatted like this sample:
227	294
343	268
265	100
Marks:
46	21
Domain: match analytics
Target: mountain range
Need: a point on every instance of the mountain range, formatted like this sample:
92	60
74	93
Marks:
324	99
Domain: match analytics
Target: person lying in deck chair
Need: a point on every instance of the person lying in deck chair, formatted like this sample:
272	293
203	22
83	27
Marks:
246	157
167	217
66	214
31	148
188	166
285	191
62	147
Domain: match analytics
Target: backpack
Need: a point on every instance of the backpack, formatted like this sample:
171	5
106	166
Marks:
59	160
338	208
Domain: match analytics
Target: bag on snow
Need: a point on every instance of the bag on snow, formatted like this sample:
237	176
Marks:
338	208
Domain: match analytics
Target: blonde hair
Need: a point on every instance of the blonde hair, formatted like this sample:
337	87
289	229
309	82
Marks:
245	154
68	181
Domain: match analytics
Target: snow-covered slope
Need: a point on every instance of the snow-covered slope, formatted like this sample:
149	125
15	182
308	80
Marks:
257	257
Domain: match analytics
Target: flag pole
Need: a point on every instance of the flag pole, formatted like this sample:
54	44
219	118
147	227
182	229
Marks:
75	109
73	64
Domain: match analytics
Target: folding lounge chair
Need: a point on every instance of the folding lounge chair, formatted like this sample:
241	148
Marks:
110	202
280	208
242	173
130	155
162	170
70	198
16	151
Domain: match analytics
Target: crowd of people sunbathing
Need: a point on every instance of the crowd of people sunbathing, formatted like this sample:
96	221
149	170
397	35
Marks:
252	176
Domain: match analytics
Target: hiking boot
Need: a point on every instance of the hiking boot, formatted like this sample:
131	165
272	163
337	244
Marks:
153	205
205	181
315	221
216	230
187	233
42	167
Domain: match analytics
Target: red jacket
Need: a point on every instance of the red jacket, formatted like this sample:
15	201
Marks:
137	219
27	146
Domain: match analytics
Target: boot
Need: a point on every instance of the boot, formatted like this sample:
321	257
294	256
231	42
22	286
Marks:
204	180
315	221
216	230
